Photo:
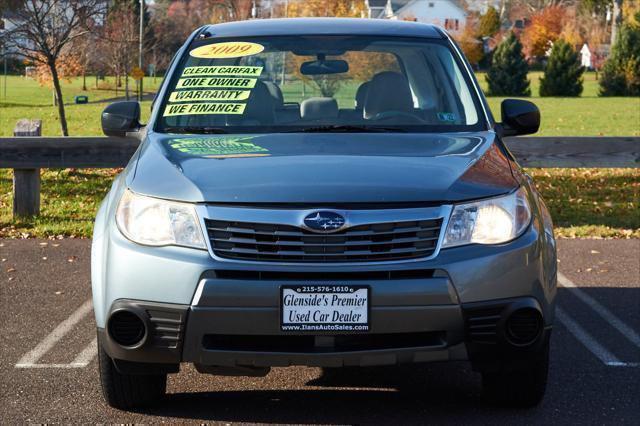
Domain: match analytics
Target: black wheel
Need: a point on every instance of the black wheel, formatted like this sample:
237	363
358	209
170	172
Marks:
520	387
126	391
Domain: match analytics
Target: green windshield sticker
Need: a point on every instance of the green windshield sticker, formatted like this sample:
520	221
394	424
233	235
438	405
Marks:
210	82
222	70
209	95
220	147
447	117
204	108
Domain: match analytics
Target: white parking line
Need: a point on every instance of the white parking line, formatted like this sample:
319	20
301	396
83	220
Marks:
30	359
84	358
587	339
605	313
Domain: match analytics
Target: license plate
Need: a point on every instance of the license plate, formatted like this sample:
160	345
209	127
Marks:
324	308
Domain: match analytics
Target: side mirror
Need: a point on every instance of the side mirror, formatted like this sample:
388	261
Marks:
519	117
121	118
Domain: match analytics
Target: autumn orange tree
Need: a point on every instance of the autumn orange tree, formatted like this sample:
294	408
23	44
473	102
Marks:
70	66
546	27
469	40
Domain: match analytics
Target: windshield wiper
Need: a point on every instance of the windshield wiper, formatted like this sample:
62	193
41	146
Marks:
336	128
195	129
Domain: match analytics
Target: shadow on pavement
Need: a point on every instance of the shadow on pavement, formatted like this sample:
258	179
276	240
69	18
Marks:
394	394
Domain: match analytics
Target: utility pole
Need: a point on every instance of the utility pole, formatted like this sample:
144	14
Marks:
286	15
616	20
140	51
5	75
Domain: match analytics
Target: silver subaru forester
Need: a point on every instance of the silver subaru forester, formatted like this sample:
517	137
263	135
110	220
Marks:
321	192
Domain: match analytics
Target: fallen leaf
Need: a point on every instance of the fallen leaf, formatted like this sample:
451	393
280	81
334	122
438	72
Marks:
11	270
589	269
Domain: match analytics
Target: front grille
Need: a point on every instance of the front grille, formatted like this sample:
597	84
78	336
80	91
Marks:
275	242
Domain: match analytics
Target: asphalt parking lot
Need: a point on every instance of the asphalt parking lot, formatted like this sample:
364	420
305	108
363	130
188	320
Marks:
48	365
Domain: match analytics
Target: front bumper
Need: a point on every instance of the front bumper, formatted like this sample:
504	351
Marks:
227	314
246	338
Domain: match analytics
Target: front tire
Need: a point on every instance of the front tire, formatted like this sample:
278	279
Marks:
126	391
522	387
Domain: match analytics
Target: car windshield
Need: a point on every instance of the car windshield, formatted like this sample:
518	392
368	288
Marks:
319	84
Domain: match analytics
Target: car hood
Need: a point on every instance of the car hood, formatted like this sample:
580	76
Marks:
322	168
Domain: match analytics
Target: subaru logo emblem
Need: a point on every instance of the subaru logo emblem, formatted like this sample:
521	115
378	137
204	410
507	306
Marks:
324	221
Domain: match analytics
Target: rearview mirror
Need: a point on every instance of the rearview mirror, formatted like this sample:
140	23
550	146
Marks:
121	118
324	66
519	117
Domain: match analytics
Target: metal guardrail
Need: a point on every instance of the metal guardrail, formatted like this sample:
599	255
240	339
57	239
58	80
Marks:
28	152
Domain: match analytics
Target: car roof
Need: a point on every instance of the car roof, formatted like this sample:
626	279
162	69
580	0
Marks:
323	26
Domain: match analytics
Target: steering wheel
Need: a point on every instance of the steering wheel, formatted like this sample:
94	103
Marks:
385	115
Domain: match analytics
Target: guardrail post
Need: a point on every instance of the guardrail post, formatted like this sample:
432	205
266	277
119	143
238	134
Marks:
26	182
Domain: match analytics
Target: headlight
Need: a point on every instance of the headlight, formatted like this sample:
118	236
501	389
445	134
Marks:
492	221
155	222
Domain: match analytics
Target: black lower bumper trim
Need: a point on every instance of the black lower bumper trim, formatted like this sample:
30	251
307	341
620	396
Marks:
489	339
164	330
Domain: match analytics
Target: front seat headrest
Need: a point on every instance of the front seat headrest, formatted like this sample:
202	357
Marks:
276	93
318	108
388	91
260	107
361	95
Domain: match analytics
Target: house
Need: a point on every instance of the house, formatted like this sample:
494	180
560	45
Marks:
376	9
9	21
449	14
481	6
585	56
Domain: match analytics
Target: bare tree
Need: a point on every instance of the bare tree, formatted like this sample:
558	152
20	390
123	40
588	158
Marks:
44	28
119	42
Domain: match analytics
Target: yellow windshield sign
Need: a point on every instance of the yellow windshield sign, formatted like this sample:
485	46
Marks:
208	82
222	70
210	95
204	108
230	49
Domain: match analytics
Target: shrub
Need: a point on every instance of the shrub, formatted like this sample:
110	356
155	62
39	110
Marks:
621	72
563	72
507	75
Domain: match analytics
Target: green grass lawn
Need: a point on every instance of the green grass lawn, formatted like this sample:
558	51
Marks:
25	98
588	115
584	202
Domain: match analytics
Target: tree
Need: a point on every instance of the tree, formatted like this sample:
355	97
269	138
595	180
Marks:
544	30
337	8
621	72
120	41
563	73
470	42
327	84
489	23
507	75
44	30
